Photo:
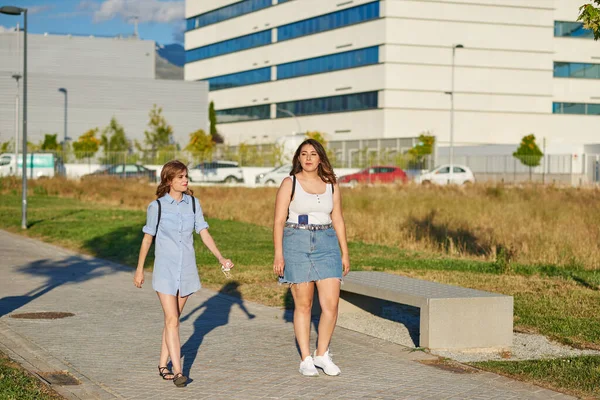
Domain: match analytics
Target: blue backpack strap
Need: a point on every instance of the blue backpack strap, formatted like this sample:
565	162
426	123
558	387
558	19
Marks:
193	204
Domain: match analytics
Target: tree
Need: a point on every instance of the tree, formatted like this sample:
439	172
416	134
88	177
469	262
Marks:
50	142
160	134
87	145
318	136
33	147
212	118
590	16
158	139
421	150
113	140
6	146
200	145
529	153
276	156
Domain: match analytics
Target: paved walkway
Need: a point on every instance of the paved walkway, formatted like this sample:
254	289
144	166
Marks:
232	348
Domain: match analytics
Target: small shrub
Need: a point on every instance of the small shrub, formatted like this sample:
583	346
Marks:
40	191
504	256
495	191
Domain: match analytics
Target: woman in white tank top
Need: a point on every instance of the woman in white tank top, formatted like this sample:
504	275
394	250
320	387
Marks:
311	249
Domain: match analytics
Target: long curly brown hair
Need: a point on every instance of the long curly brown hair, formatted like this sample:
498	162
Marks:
324	169
169	171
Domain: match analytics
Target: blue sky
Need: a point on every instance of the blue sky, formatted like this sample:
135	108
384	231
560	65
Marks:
160	20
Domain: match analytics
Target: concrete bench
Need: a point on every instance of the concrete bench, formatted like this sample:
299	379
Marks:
451	317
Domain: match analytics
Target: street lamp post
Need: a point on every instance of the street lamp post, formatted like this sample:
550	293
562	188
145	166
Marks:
12	10
64	146
451	93
16	77
288	112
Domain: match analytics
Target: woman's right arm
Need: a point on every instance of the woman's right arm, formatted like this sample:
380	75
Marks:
282	204
138	277
150	231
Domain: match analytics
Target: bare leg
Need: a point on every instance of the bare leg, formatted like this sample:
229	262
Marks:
329	296
164	351
303	296
171	307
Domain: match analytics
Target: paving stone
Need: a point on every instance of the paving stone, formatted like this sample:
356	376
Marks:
231	348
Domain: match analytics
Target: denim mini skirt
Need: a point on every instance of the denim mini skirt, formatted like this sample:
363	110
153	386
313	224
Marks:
310	255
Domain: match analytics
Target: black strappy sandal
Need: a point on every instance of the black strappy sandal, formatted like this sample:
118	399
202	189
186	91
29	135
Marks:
164	372
179	379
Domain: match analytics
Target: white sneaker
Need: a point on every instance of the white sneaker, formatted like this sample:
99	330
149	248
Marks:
307	367
326	364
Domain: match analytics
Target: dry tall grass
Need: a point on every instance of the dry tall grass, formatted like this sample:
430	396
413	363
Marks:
533	225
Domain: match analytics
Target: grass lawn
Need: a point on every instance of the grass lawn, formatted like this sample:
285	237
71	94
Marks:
560	302
18	384
577	375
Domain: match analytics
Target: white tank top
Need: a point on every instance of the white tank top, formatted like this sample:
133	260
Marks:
318	207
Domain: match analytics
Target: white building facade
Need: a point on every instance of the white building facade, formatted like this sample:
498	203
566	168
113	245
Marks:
103	77
365	69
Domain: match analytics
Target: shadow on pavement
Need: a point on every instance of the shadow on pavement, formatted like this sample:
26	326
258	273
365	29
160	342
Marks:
71	270
215	313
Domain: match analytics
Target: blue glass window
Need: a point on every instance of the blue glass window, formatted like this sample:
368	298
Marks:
333	104
576	70
282	1
592	109
225	13
332	62
326	22
576	108
571	29
229	46
240	79
251	113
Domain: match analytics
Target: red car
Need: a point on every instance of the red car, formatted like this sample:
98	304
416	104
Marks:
378	174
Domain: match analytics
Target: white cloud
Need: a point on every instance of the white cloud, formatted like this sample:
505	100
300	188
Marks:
144	10
178	32
38	9
85	7
88	5
5	29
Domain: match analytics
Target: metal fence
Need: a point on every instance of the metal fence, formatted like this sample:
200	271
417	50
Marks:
569	169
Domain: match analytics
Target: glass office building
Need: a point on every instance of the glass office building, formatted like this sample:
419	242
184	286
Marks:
367	69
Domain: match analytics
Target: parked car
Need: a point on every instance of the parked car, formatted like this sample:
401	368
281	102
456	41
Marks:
274	176
216	171
126	171
377	174
441	175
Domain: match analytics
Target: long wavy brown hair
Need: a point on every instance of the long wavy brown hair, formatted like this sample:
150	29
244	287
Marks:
324	169
169	171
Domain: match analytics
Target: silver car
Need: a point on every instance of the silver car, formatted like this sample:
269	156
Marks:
441	175
274	176
216	171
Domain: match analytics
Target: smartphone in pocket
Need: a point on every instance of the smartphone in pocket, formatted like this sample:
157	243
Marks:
303	219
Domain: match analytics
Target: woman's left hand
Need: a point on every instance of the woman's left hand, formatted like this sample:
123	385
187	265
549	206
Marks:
138	278
346	264
226	262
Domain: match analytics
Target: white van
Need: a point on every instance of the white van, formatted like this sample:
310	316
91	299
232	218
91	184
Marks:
38	165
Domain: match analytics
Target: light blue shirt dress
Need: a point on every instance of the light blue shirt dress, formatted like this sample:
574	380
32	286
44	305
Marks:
175	268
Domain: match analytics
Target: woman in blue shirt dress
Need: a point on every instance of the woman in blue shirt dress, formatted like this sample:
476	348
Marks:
175	274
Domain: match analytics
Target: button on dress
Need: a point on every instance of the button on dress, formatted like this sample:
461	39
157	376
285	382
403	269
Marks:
175	268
